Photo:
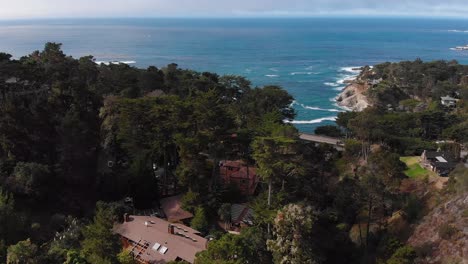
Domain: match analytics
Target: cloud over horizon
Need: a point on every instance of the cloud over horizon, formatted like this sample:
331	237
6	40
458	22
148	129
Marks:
222	8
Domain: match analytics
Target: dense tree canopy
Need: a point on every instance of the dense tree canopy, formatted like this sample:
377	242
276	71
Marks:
73	132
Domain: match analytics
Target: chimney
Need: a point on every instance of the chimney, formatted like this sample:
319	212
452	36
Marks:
170	229
126	218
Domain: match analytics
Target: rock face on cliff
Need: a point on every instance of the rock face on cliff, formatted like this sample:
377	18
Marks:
352	97
443	234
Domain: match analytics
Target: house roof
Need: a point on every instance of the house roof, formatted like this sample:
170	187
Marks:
184	244
241	213
232	163
441	159
172	208
243	172
435	154
247	172
448	98
444	165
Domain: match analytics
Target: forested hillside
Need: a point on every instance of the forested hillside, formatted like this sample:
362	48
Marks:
78	139
406	114
74	132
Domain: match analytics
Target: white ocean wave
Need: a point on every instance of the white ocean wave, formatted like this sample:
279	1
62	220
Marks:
314	107
114	62
272	75
340	88
302	73
345	78
320	109
457	30
335	104
346	109
332	84
354	70
313	121
273	69
348	74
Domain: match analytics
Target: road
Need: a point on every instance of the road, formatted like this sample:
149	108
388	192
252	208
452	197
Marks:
320	139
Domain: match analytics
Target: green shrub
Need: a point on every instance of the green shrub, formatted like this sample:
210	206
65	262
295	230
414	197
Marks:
410	103
35	226
403	255
124	257
199	221
413	208
190	201
330	130
342	227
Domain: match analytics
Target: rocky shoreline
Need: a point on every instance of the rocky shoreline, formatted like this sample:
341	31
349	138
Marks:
353	97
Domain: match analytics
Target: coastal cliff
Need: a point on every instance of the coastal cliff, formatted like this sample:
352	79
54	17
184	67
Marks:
353	96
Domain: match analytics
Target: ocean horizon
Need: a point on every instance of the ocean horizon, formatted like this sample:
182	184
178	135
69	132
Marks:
309	57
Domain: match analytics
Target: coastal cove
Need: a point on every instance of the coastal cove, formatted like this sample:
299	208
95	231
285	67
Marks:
311	58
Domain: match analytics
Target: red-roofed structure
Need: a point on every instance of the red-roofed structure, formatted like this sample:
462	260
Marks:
152	240
172	208
239	174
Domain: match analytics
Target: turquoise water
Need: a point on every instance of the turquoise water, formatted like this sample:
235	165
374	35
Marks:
308	57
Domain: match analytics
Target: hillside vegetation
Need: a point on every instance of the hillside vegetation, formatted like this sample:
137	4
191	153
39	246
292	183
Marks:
79	139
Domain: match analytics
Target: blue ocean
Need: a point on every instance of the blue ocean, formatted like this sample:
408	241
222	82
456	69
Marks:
309	57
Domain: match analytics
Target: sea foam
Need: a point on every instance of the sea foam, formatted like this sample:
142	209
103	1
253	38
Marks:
348	74
332	84
314	107
457	30
355	69
302	73
313	121
319	109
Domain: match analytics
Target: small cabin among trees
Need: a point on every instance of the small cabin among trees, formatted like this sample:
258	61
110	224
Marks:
239	174
241	216
172	208
439	162
448	101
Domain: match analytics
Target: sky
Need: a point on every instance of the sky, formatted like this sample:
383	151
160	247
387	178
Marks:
25	9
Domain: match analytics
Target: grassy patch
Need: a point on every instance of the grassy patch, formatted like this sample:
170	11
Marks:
414	168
